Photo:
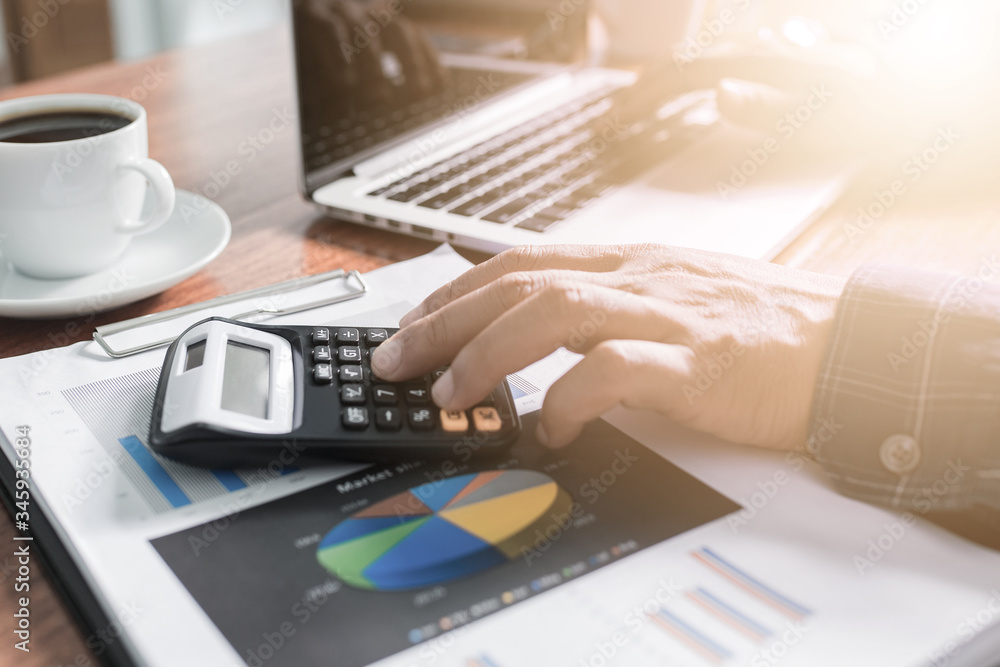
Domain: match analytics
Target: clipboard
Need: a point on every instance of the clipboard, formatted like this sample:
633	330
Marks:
359	288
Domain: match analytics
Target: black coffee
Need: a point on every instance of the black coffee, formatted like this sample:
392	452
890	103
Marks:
42	128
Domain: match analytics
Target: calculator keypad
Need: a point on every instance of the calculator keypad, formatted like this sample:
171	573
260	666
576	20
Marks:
367	403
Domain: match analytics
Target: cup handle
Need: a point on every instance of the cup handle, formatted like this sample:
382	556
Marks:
163	192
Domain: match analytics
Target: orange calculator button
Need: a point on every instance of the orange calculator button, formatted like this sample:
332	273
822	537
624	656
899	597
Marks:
454	421
487	419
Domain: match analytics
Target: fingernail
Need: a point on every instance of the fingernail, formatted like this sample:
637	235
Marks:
444	390
541	436
386	358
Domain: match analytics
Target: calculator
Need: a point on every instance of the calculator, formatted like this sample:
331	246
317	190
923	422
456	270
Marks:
233	394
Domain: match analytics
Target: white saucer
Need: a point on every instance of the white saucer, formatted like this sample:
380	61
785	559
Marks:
152	263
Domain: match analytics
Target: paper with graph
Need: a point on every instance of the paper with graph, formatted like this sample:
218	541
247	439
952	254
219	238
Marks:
642	544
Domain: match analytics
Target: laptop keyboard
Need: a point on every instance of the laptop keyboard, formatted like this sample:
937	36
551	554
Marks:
370	127
537	174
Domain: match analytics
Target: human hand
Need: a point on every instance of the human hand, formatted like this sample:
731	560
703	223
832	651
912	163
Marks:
722	344
839	90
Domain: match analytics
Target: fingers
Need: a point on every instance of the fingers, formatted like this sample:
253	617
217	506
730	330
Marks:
752	105
435	340
633	373
562	314
523	258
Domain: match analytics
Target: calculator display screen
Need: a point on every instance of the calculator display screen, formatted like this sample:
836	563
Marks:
195	355
245	380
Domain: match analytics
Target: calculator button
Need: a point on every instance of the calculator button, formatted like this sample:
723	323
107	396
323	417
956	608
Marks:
388	419
355	418
322	354
352	394
323	374
376	336
320	336
417	394
438	373
421	419
487	419
385	394
347	336
454	421
351	374
349	354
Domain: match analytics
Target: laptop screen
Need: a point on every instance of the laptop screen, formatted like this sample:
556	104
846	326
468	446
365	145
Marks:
371	75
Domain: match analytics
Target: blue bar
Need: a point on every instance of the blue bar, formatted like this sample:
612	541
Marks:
229	480
694	634
766	590
157	475
749	622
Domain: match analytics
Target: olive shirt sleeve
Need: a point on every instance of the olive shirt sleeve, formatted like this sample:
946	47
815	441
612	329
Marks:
907	405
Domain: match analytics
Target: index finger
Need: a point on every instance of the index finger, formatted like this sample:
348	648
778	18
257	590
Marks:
595	258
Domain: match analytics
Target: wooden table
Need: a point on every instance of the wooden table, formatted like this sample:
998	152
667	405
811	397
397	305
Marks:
204	102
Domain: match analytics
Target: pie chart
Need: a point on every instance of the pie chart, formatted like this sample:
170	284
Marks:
444	530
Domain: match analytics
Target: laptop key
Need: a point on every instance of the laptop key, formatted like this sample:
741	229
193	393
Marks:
555	212
442	200
508	211
406	195
577	199
475	206
536	224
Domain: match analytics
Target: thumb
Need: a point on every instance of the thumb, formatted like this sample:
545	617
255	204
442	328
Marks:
752	105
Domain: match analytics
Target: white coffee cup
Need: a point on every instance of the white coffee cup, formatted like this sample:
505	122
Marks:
70	208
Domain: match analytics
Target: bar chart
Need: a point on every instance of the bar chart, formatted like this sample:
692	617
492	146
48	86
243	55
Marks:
117	412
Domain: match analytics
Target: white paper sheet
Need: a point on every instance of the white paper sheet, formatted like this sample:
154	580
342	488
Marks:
788	565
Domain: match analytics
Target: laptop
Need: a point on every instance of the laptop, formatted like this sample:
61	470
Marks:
515	147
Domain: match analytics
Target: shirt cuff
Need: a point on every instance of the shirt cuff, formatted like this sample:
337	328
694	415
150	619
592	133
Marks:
906	411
